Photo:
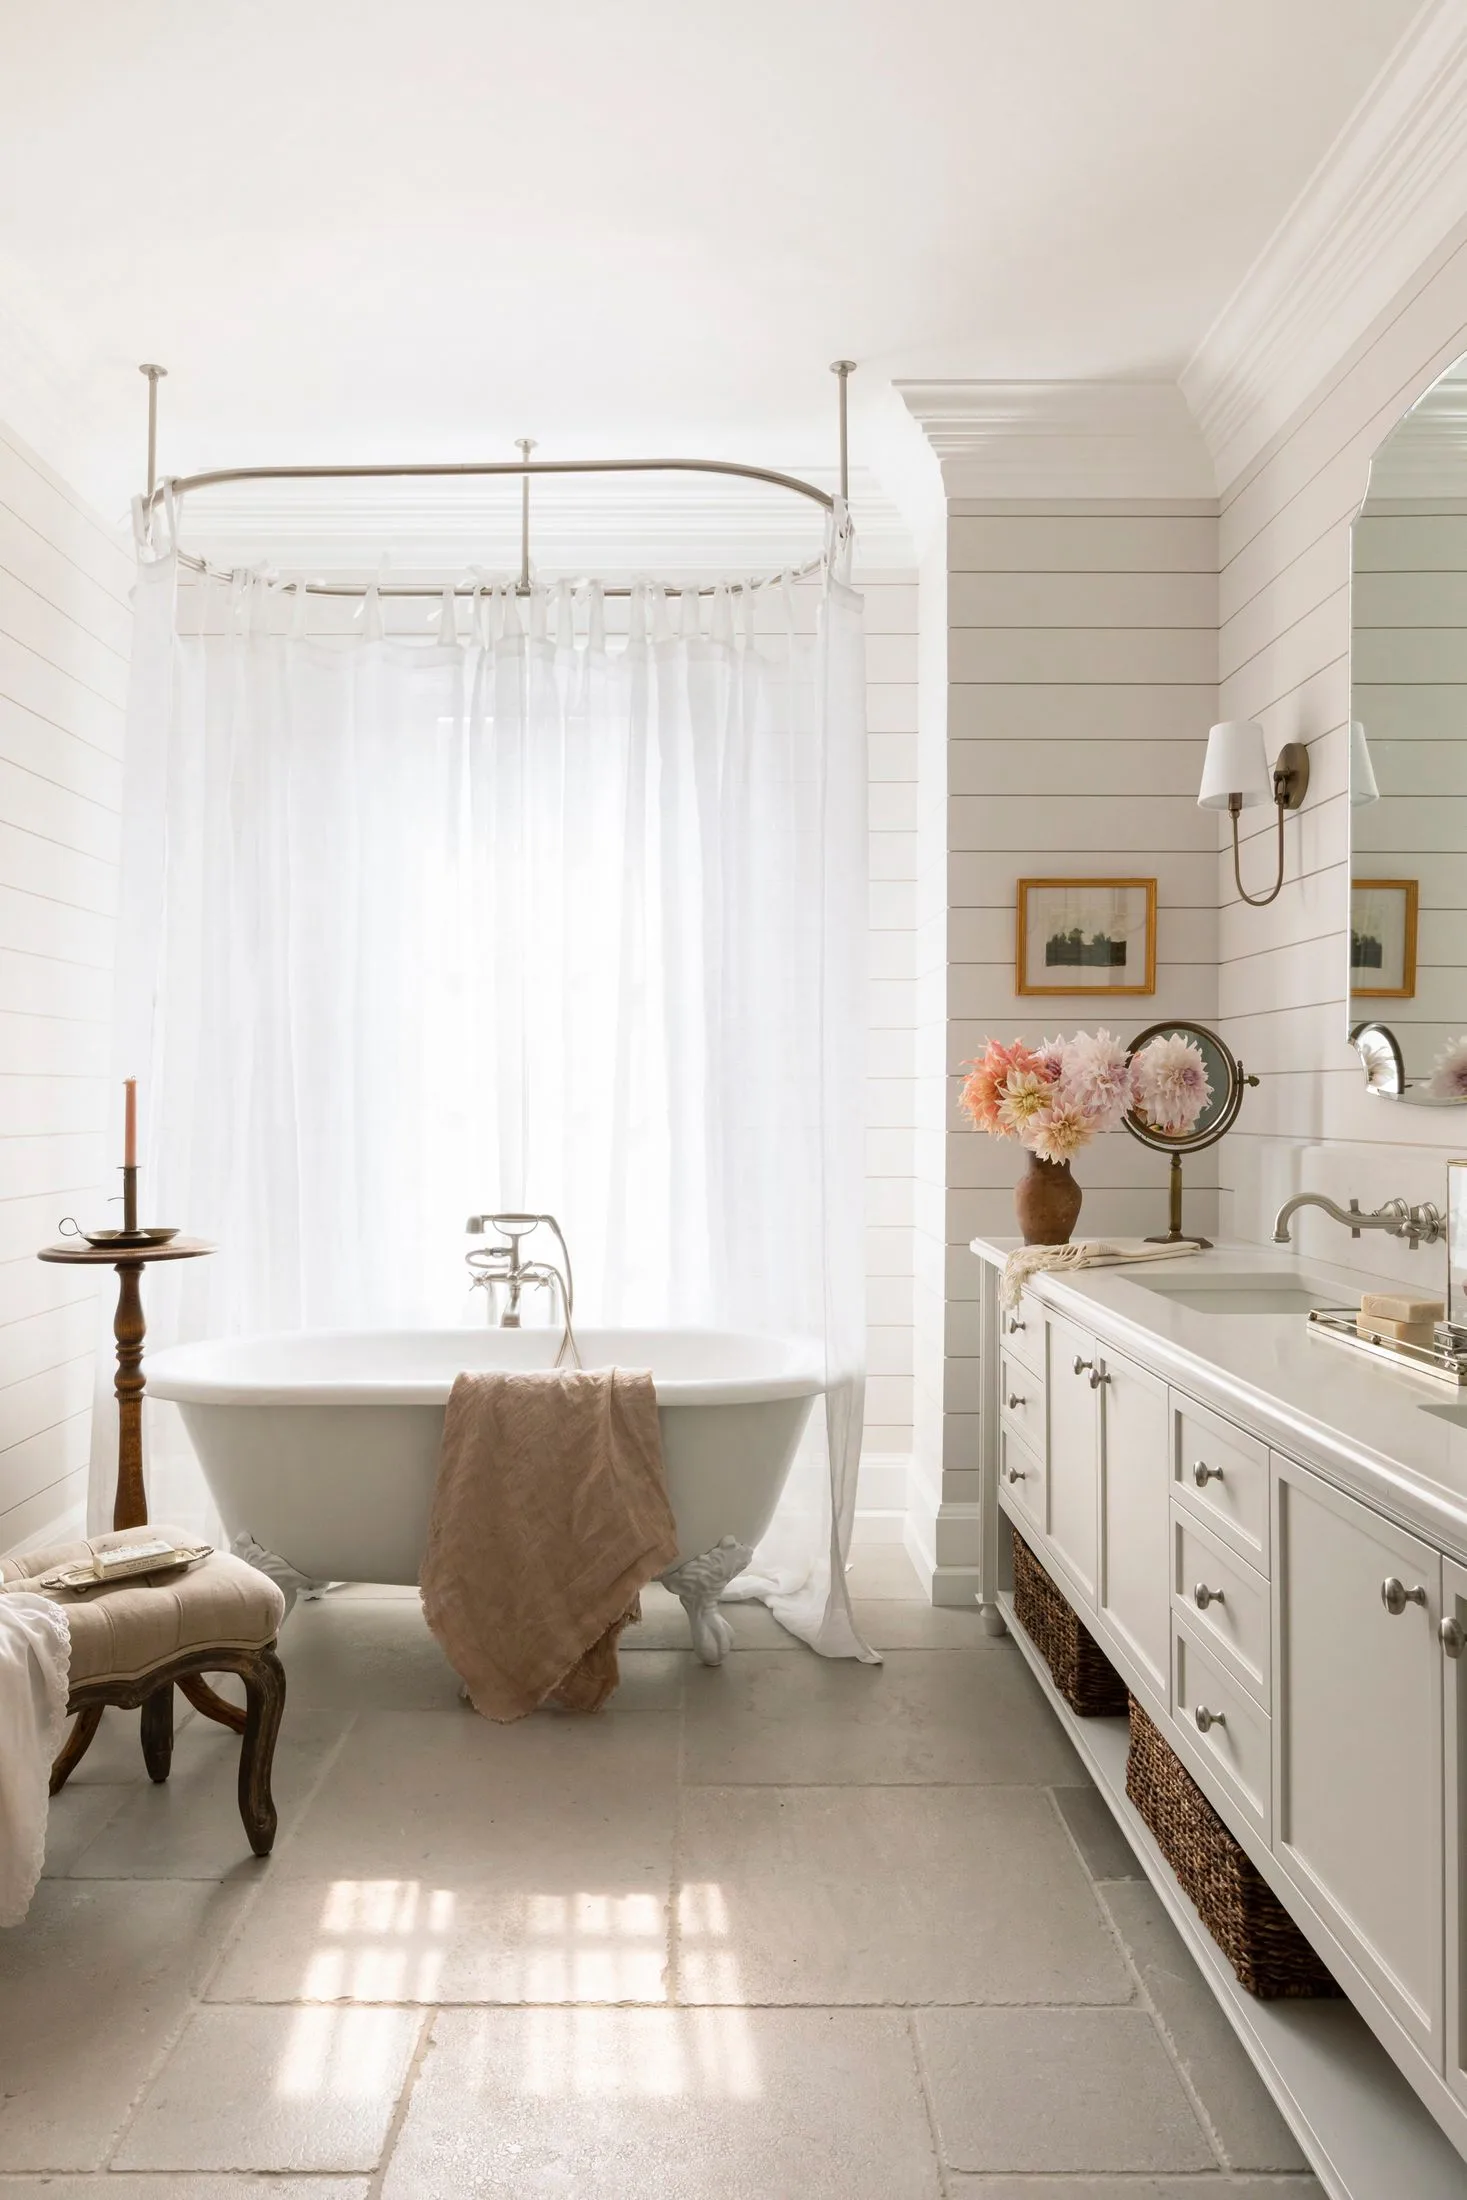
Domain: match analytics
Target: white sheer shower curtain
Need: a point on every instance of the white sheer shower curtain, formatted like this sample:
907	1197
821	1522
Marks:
514	918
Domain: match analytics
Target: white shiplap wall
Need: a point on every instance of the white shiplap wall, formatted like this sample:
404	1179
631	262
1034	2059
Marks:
1284	658
1078	686
64	636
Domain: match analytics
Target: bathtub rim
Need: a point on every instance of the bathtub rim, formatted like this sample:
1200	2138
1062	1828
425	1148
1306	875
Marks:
179	1374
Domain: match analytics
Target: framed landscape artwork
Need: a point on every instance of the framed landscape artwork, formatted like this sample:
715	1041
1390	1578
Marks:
1383	938
1086	935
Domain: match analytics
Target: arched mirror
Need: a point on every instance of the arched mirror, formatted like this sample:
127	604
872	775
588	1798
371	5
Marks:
1226	1081
1407	930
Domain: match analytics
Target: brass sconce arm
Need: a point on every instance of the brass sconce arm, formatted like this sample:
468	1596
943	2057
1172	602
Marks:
1290	785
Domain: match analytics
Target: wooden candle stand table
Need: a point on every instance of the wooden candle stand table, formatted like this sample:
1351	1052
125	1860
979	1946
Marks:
130	1499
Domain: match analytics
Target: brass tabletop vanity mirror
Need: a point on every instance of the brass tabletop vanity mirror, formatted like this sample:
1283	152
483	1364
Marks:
1407	926
1227	1081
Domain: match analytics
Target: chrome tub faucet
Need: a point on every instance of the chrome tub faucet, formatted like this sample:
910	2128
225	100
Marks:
504	1275
1421	1225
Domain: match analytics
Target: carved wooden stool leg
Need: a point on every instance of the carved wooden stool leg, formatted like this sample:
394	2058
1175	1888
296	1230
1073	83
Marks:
197	1691
76	1745
157	1730
264	1679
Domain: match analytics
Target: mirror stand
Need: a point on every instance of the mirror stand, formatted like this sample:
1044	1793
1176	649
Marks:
1175	1234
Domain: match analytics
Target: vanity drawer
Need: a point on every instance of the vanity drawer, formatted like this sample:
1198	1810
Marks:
1021	1480
1224	1598
1220	1472
1021	1333
1021	1400
1225	1728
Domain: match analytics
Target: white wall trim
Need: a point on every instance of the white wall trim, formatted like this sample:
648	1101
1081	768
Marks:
1390	188
1062	439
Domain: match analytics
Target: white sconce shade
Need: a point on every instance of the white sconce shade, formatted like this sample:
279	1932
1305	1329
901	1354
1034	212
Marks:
1236	764
1363	788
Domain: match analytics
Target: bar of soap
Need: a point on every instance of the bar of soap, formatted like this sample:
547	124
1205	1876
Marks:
1399	1306
1372	1325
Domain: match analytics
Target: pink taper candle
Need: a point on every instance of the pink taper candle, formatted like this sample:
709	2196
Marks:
130	1125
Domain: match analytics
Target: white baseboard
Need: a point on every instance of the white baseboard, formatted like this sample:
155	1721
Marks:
942	1543
881	1497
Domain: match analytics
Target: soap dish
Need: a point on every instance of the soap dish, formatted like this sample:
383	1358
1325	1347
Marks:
1445	1361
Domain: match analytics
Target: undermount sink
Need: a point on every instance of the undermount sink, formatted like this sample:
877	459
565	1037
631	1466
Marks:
1236	1292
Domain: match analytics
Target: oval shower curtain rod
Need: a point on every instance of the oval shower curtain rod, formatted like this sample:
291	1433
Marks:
524	467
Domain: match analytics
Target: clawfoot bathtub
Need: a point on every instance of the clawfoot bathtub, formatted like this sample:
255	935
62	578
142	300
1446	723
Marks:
323	1446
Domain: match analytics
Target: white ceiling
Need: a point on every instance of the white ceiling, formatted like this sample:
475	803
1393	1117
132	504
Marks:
359	228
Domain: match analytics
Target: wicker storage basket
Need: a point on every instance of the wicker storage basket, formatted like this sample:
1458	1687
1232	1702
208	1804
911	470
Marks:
1240	1910
1082	1673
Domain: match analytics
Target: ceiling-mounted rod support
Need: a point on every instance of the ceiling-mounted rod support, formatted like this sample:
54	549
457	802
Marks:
843	369
155	375
524	444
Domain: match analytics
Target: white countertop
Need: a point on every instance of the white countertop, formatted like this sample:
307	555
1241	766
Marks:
1360	1421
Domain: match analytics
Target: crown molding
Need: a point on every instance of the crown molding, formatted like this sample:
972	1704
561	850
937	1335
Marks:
1062	439
1389	190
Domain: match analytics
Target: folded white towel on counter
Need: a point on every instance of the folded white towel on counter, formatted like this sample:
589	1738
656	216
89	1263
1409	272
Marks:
35	1667
1032	1260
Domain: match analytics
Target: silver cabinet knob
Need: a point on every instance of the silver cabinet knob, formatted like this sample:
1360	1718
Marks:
1202	1473
1016	1474
1097	1377
1452	1637
1202	1596
1395	1596
1081	1365
1016	1400
1014	1325
1207	1720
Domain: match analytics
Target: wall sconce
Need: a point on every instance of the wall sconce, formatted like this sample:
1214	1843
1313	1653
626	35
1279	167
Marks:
1236	776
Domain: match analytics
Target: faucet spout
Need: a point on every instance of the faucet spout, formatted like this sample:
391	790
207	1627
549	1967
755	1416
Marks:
1418	1225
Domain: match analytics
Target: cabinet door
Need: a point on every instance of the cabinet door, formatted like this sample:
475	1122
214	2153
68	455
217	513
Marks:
1135	1516
1454	1710
1358	1737
1074	1452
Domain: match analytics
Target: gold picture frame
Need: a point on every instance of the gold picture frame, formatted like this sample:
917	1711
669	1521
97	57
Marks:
1086	932
1392	936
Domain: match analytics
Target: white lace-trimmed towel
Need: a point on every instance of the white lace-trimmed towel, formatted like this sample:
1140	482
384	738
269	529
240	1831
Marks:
35	1667
1033	1260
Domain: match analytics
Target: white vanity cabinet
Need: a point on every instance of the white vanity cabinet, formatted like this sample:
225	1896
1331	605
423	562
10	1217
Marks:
1135	1476
1072	1527
1304	1653
1358	1821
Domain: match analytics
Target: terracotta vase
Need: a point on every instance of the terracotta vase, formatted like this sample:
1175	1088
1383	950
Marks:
1047	1202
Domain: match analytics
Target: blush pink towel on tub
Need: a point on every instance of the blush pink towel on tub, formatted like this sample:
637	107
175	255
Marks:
550	1515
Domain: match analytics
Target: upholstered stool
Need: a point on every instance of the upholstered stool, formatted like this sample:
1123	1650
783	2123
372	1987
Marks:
132	1640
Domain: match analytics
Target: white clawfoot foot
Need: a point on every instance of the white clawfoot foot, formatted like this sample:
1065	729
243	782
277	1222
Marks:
286	1577
698	1584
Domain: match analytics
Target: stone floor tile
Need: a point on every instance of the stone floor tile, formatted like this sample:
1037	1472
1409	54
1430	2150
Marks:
726	2104
922	1716
567	1931
93	1986
1106	1852
275	2089
882	1570
188	2186
1249	2130
1221	2187
78	1814
188	1827
847	1895
444	1796
894	1623
1053	2090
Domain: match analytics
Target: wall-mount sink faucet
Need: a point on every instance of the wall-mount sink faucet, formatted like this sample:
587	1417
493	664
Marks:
504	1275
1421	1225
